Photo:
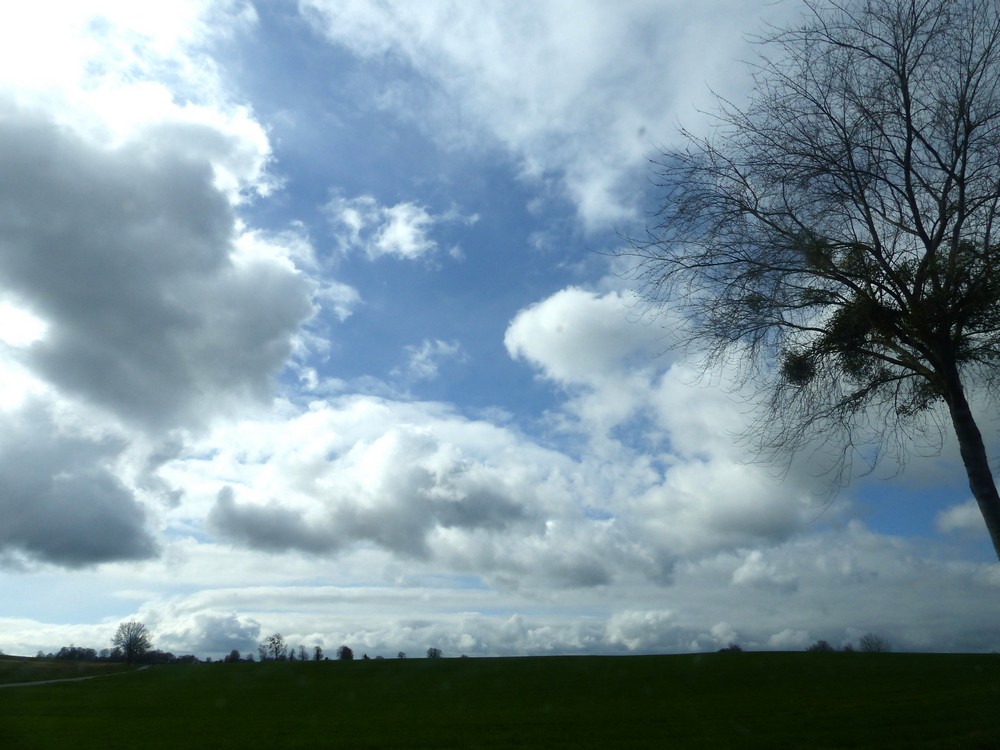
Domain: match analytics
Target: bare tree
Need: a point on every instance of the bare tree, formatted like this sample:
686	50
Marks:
317	653
133	639
434	653
345	653
873	644
275	646
837	236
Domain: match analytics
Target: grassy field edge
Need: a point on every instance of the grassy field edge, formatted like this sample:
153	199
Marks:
745	700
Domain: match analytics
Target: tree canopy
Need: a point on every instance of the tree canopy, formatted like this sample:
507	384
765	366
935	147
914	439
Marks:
274	646
133	639
837	235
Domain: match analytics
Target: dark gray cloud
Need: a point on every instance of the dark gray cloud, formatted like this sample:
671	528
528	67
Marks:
60	499
128	254
270	528
211	633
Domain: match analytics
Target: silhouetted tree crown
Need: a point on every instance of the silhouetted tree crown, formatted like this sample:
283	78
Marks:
837	236
133	639
273	647
344	653
76	653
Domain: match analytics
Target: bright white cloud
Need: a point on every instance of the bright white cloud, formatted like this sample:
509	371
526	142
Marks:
964	517
756	571
693	491
641	630
572	91
592	346
702	506
579	337
18	327
402	230
110	70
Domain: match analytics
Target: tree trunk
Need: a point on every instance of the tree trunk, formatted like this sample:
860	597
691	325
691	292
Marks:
977	465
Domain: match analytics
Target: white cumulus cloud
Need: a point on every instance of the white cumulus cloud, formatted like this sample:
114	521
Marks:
403	230
527	76
964	517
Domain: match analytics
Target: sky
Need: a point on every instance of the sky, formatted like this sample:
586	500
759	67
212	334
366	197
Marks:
311	322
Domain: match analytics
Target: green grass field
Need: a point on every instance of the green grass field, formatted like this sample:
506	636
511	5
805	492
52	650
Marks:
749	700
20	669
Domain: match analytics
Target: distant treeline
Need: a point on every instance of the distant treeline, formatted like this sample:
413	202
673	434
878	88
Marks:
79	653
274	648
155	656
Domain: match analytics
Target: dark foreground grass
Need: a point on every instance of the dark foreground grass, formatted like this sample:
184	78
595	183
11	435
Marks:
712	701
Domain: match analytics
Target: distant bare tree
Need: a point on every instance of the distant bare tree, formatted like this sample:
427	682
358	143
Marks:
133	639
275	645
317	653
302	653
344	653
434	653
262	651
401	655
234	656
873	644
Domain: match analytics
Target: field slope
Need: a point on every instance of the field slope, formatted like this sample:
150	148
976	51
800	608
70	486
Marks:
16	669
713	701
